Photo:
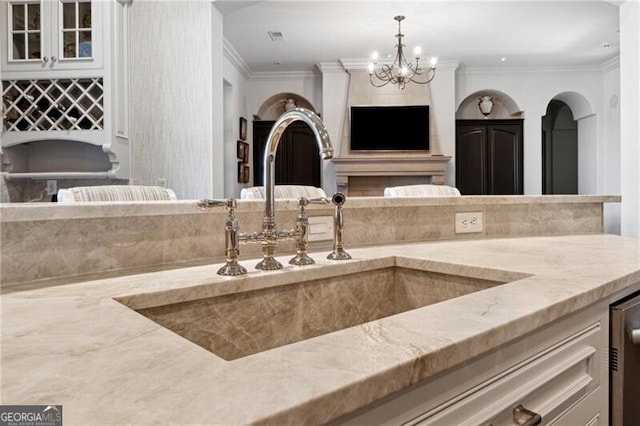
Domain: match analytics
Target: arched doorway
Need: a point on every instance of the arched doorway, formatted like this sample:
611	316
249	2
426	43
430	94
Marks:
298	160
583	160
559	150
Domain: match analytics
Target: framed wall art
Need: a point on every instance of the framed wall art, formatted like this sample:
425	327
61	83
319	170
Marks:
243	151
243	173
243	128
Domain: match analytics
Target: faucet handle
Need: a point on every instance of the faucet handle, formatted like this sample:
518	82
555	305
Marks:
229	203
303	201
231	236
301	232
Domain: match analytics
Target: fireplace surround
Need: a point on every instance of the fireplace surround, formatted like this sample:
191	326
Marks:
367	173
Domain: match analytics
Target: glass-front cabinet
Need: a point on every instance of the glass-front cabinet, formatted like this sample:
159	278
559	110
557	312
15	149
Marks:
44	35
64	85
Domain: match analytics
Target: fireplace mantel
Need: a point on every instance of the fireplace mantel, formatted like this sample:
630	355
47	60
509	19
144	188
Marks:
395	165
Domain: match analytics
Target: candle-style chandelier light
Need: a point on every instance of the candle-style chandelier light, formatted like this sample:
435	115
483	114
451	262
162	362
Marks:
400	71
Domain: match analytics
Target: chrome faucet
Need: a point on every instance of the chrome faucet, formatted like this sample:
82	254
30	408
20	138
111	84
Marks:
269	235
233	236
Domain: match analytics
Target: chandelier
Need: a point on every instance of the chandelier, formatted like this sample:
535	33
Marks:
400	71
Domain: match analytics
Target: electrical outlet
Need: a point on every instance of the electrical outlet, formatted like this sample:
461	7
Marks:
52	187
469	222
320	228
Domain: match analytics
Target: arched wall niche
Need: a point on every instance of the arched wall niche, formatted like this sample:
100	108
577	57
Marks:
504	106
274	107
580	106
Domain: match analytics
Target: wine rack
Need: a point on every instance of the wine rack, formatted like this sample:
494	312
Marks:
60	104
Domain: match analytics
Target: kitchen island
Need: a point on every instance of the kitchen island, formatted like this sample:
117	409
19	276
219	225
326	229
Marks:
86	346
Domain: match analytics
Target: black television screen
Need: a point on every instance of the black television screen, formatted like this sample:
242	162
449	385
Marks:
390	128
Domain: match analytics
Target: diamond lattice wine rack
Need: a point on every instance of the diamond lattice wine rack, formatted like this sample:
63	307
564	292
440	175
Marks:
61	104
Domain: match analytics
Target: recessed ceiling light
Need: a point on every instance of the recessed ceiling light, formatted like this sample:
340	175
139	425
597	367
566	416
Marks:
503	59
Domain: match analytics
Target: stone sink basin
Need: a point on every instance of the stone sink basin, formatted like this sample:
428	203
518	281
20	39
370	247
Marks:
244	323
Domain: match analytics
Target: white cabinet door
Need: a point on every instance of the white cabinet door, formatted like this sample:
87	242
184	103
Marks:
48	35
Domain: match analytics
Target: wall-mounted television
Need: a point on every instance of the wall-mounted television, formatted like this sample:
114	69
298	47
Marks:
390	128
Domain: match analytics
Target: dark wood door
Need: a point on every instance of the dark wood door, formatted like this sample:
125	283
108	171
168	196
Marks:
471	164
489	158
297	160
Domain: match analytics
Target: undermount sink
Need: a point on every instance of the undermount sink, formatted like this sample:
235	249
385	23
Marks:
240	324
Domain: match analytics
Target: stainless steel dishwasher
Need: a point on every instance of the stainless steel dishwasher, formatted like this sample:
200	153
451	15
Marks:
624	357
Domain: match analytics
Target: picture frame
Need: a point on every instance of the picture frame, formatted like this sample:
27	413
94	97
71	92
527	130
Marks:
241	150
243	128
240	172
245	157
243	173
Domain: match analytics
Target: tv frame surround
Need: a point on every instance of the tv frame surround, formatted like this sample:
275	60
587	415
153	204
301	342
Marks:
369	138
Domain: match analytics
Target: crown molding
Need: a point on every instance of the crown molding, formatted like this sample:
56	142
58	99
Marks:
611	64
283	75
333	66
447	65
236	60
595	69
355	63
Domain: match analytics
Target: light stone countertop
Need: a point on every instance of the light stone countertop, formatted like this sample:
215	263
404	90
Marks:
19	212
76	346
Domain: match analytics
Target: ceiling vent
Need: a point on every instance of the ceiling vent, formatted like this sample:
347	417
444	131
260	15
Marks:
276	36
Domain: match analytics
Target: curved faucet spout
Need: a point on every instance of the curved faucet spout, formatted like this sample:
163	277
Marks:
269	231
322	138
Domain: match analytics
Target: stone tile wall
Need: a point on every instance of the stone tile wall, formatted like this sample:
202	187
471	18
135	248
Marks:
41	241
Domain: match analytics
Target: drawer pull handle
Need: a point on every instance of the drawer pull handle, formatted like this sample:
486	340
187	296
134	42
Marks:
635	336
524	417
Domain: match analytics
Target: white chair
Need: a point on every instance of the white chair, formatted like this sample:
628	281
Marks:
115	193
422	191
283	192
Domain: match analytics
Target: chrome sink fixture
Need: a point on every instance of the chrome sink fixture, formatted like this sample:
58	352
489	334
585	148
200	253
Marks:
269	235
300	233
338	252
